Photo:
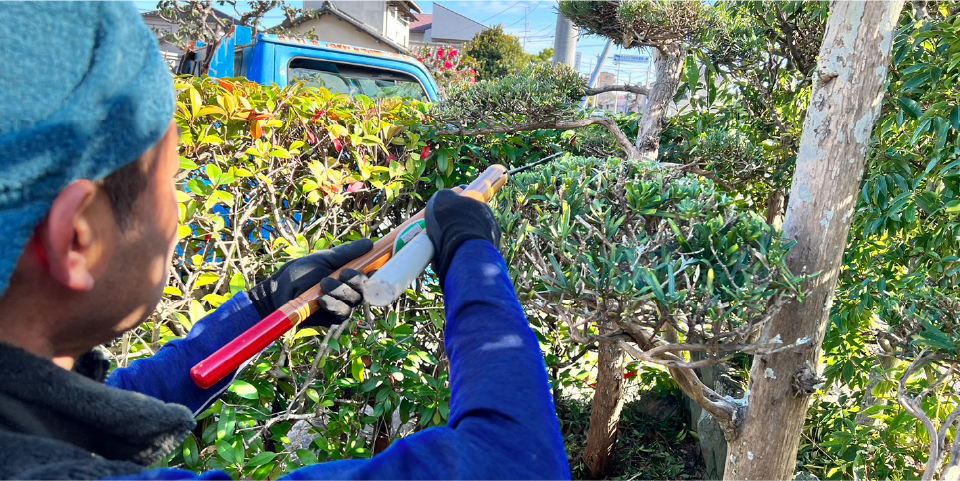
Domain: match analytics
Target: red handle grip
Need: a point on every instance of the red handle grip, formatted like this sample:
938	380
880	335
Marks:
228	358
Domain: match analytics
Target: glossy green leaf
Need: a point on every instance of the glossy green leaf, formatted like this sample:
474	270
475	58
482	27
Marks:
911	107
244	389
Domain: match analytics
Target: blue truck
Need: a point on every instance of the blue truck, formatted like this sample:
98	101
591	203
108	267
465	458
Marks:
278	59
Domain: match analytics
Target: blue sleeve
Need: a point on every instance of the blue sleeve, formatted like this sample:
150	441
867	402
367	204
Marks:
166	374
503	424
173	473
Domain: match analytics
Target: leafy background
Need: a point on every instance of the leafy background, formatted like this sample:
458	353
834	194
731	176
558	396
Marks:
270	174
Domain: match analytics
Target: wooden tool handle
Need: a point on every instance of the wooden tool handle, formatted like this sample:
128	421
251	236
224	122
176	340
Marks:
231	356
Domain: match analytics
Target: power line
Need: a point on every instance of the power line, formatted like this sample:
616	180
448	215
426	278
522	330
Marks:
524	17
542	29
504	10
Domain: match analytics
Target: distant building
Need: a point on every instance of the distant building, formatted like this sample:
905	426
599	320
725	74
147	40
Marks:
419	27
606	101
443	27
619	102
383	25
161	27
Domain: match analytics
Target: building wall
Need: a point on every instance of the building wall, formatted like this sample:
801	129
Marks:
378	15
158	26
370	12
608	100
329	28
396	27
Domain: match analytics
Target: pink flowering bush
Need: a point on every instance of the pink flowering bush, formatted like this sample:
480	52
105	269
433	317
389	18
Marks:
448	65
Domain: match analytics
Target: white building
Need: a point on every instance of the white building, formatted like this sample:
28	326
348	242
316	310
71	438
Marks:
379	24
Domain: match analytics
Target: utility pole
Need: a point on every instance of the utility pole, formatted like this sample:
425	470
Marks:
565	42
619	95
626	97
596	71
526	25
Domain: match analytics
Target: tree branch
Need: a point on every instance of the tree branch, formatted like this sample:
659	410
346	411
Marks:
636	89
607	122
914	406
723	410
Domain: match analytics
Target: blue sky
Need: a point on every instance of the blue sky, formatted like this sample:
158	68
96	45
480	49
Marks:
533	22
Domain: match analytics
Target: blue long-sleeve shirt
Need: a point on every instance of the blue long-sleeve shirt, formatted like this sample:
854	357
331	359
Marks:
502	420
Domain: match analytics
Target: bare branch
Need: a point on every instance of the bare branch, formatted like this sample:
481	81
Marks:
725	411
636	89
914	406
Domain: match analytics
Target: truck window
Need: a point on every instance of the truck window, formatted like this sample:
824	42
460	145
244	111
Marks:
355	80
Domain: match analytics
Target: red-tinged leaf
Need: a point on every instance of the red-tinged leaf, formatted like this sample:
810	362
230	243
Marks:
311	137
425	152
255	130
337	145
228	86
355	187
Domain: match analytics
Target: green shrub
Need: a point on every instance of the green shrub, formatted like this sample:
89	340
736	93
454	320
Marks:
642	249
269	175
540	93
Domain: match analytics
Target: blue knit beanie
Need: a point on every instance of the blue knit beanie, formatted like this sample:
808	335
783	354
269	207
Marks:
83	92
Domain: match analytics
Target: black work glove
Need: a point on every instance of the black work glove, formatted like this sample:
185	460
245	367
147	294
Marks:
296	277
452	220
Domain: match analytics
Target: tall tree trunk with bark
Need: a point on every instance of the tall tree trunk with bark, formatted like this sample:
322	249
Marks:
844	106
668	64
605	413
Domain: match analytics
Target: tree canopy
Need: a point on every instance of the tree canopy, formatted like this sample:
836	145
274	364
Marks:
497	53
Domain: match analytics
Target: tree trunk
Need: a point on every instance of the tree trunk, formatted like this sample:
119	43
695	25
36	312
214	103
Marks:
844	106
668	64
605	415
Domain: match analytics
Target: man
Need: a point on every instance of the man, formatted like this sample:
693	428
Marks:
88	154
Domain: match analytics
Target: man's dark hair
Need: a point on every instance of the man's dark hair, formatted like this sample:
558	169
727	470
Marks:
124	187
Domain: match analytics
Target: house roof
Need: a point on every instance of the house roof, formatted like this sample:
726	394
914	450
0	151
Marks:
435	6
449	28
329	8
423	22
408	8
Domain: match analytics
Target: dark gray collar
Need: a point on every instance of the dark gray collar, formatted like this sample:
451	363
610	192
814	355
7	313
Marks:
39	398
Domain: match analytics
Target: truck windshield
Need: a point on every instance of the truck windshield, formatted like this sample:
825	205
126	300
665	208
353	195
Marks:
355	80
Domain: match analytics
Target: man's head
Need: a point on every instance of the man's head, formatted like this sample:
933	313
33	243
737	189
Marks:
87	159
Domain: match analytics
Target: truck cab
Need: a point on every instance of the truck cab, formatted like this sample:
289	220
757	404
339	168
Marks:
280	60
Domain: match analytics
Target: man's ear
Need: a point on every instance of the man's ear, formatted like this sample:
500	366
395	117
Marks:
69	237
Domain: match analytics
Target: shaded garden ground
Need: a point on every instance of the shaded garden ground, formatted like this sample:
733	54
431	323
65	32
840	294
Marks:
654	442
